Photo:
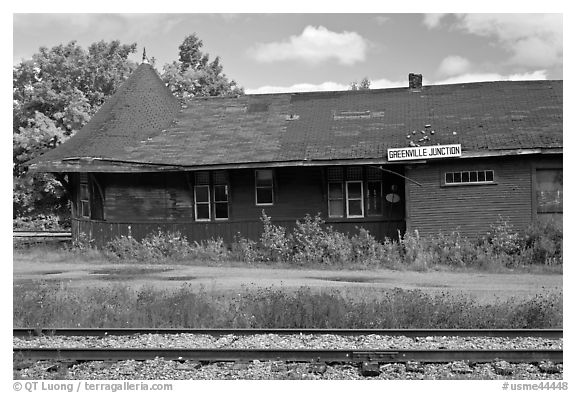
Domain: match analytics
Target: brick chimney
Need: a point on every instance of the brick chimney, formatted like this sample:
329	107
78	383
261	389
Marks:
415	81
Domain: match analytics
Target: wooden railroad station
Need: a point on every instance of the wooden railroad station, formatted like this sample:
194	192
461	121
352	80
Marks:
427	158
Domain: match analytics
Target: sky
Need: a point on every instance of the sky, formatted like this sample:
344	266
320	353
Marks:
281	52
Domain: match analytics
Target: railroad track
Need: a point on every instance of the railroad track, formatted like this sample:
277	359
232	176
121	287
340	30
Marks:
294	355
41	236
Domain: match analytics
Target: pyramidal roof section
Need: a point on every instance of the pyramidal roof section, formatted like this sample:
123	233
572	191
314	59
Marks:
140	109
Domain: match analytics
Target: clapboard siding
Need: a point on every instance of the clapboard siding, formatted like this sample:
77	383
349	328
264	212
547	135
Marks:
138	204
470	209
104	231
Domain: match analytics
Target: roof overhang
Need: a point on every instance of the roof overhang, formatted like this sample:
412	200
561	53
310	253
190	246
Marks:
90	164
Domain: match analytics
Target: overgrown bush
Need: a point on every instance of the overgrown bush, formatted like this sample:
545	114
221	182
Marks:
544	239
275	243
313	243
41	222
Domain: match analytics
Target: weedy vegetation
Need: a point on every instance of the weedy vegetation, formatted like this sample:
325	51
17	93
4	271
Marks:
313	244
49	306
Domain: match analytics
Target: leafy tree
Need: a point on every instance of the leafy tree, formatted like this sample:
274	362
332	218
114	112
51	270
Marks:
193	75
55	93
363	85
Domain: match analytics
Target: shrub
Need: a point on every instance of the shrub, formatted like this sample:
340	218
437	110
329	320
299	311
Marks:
415	251
127	248
544	239
163	245
366	250
309	240
275	243
245	250
211	250
41	222
504	238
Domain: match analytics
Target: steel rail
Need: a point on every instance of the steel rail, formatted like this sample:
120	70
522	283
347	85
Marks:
301	355
102	332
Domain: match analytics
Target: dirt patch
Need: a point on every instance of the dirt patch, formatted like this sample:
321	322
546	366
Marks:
125	274
352	279
178	278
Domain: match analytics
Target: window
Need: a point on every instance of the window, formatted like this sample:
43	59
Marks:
362	192
374	198
202	203
354	199
335	199
469	177
335	192
549	193
211	193
84	197
264	187
220	202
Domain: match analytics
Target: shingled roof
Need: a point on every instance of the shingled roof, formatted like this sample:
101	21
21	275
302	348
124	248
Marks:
143	126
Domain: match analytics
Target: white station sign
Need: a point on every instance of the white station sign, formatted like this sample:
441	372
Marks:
424	152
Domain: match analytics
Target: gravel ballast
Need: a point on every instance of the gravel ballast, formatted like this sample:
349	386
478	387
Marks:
296	341
172	370
160	369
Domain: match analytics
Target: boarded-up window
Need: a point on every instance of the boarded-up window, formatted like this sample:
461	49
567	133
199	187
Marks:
549	194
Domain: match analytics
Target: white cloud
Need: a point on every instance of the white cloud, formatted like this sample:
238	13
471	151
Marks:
388	84
453	65
381	19
314	45
492	77
325	86
433	20
534	40
108	26
299	87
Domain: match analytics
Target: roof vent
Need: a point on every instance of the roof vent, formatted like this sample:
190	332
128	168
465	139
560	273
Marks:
415	82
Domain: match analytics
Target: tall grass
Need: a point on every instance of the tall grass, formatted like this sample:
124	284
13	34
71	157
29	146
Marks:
47	306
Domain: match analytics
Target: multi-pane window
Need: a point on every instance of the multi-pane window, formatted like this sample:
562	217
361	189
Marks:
374	192
264	187
354	199
374	198
355	192
84	197
549	191
220	180
469	177
202	196
211	196
335	192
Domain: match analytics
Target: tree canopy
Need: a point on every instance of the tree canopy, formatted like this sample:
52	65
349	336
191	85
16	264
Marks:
59	89
363	85
193	75
55	93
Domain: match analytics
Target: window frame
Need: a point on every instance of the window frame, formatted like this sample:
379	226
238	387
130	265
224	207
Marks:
196	203
361	199
256	187
341	199
460	173
381	197
227	188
